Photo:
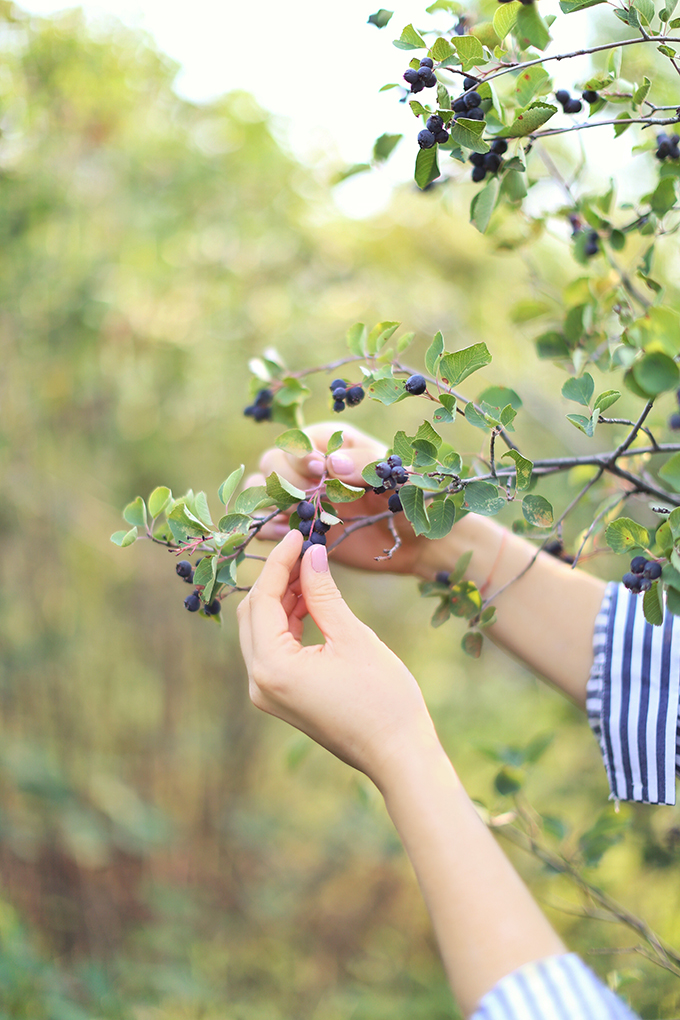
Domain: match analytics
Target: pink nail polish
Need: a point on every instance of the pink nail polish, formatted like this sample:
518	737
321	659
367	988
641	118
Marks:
341	463
319	558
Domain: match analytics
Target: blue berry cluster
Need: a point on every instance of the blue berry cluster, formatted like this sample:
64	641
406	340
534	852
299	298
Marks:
433	133
468	105
568	104
393	475
642	573
422	77
668	146
193	602
342	393
313	531
488	162
261	409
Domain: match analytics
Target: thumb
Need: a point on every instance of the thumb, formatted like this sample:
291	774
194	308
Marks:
323	600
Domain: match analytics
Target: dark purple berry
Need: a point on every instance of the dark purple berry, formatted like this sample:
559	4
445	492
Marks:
652	571
475	114
674	422
305	546
400	475
263	398
304	527
476	158
411	76
638	564
434	123
417	86
459	105
262	413
427	62
499	146
425	139
645	584
339	405
394	460
590	96
305	510
383	470
214	608
394	503
184	568
573	106
339	393
320	528
192	602
492	161
470	83
424	72
337	384
442	137
664	145
478	174
632	582
415	384
249	411
379	489
317	539
472	99
592	245
442	577
355	394
562	96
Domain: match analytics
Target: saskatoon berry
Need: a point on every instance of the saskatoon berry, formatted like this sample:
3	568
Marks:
638	564
183	568
442	137
214	608
316	539
427	62
337	384
305	510
423	72
383	470
320	528
632	582
477	159
472	99
592	245
355	395
554	548
400	475
304	527
652	571
674	422
573	106
305	546
431	81
590	96
411	76
478	174
394	503
492	161
394	460
425	139
470	83
192	602
339	405
379	489
415	385
434	123
442	577
459	106
339	393
499	145
418	87
263	398
562	96
475	114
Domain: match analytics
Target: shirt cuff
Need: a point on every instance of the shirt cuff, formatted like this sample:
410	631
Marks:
556	988
632	698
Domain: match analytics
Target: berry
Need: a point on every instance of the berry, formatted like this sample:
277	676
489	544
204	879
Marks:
664	145
499	145
638	564
442	137
674	422
383	470
652	571
184	568
459	106
337	384
423	72
470	83
477	159
590	96
214	608
475	114
573	106
592	245
379	489
425	139
339	405
400	475
632	582
355	394
304	527
554	548
562	96
434	123
472	99
305	546
394	460
305	510
431	81
192	602
411	76
427	62
478	174
316	539
415	384
492	161
394	503
417	87
263	398
339	393
442	577
320	528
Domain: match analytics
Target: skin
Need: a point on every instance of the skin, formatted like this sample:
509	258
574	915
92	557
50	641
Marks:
356	698
545	619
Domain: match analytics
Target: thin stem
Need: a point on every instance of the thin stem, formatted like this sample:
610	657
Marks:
596	521
647	121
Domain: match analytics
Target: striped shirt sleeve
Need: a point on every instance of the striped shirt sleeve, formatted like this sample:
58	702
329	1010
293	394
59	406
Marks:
556	988
633	698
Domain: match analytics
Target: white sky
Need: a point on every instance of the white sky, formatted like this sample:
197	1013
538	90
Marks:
318	65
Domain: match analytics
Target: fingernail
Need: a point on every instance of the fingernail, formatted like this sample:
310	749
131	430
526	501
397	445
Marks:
319	558
341	463
315	467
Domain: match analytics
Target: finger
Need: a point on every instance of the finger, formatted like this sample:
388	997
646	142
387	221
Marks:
267	616
244	631
323	600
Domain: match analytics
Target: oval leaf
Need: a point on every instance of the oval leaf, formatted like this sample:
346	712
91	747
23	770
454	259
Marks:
159	499
294	441
537	511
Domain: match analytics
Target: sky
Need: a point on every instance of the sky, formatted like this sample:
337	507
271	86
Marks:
318	66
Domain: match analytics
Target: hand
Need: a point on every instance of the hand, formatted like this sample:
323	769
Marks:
351	694
361	547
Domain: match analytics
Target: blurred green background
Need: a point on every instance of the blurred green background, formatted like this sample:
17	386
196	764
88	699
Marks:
166	851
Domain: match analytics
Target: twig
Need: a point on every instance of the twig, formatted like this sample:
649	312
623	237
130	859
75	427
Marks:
647	121
389	553
596	521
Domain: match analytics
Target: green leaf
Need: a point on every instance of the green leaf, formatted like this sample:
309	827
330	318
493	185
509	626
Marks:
508	782
380	18
206	574
505	17
645	9
253	498
531	79
227	572
469	49
433	353
294	441
528	120
674	523
159	499
625	535
442	613
339	492
335	442
655	373
356	338
379	336
488	617
235	522
441	49
183	515
500	396
409	40
569	6
667	51
460	364
405	341
442	515
483	204
472	644
642	91
579	389
537	511
427	167
401	445
523	467
532	27
282	492
606	399
482	498
583	423
384	147
670	472
135	512
427	432
387	391
414	508
446	412
479	420
652	605
417	109
552	345
468	133
673	601
664	196
202	509
124	538
228	487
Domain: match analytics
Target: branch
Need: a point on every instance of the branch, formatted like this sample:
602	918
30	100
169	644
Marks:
648	121
389	553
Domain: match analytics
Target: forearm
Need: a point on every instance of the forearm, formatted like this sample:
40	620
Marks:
545	618
486	922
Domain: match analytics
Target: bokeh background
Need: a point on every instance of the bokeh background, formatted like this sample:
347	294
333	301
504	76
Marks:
165	851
